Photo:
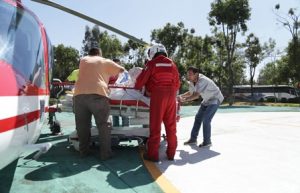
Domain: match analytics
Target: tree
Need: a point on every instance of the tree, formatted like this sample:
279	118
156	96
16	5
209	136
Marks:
196	51
170	36
269	74
135	53
275	72
219	59
91	39
66	60
291	21
110	45
173	37
254	55
293	54
229	17
284	72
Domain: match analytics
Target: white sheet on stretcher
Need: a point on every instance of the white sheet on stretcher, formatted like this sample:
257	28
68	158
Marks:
123	94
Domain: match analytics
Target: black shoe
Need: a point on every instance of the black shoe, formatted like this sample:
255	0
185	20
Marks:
205	145
145	156
190	142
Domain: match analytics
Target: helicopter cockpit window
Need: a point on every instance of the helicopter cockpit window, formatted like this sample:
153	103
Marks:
50	58
5	38
22	40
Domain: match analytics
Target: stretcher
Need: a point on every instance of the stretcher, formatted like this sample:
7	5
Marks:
131	104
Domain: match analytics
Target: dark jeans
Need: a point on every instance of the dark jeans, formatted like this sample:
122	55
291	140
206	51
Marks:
205	115
85	106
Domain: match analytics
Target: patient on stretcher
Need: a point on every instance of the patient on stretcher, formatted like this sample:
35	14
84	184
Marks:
125	92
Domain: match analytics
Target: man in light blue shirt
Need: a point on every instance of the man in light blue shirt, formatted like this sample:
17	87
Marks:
200	85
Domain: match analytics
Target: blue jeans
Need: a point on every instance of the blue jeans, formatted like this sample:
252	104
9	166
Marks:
205	115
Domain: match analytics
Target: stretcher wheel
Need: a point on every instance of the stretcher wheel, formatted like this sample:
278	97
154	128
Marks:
145	140
55	127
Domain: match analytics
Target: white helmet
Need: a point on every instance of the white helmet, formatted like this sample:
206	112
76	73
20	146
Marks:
157	48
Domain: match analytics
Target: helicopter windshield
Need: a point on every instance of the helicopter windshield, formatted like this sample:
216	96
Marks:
21	42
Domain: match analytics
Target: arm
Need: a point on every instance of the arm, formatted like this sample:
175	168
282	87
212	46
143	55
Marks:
114	69
188	96
191	97
143	78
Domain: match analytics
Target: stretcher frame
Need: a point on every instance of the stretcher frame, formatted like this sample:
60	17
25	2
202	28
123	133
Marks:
138	113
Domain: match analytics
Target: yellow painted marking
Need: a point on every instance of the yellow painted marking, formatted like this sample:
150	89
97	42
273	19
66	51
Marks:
158	177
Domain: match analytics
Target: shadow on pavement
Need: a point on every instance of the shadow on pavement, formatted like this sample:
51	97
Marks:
124	171
201	154
7	175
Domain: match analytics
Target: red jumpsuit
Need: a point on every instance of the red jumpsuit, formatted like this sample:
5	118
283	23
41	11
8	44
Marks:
161	79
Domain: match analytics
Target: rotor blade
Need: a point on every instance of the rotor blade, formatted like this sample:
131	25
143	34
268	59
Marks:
65	9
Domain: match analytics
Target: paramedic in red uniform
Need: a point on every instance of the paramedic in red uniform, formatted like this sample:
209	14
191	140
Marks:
161	79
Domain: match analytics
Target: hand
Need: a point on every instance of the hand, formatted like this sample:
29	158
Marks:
181	99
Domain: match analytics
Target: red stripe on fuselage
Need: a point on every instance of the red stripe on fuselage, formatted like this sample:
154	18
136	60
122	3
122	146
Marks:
18	121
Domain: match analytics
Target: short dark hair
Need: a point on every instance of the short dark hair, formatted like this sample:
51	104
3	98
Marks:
95	52
193	69
116	60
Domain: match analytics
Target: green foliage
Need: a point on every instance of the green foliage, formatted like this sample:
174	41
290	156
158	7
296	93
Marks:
253	50
91	38
135	54
284	70
229	17
198	52
253	54
170	36
110	45
291	21
231	13
275	73
174	38
294	60
207	54
238	66
186	49
66	60
269	74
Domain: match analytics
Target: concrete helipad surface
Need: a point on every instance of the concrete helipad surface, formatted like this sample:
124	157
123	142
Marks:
255	150
251	152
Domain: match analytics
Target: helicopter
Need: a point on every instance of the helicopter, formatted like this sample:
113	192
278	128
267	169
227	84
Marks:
26	63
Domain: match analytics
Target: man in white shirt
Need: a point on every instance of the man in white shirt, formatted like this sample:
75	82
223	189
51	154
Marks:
200	85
